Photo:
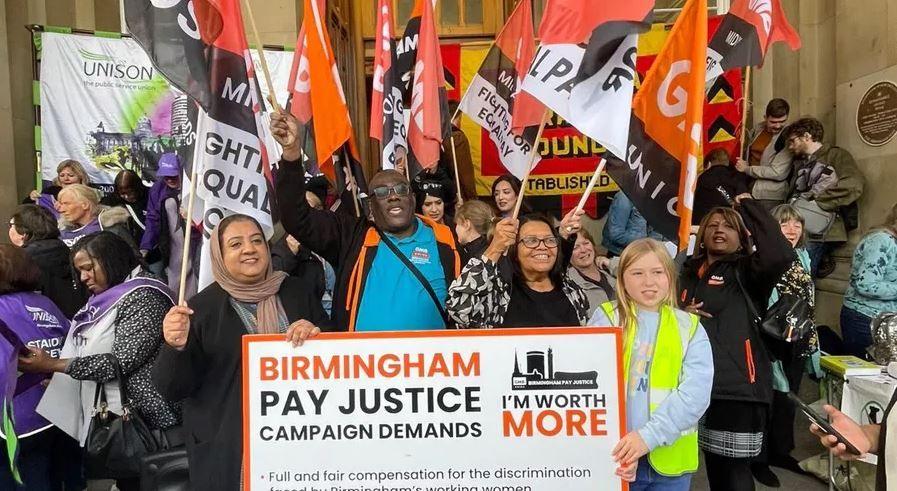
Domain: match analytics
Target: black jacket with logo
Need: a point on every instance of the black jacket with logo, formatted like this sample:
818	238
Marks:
741	365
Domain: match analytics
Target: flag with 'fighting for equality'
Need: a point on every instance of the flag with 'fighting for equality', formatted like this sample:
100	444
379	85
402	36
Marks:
584	69
745	35
318	102
659	169
201	48
491	97
387	108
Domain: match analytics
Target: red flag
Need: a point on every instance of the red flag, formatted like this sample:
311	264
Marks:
745	35
526	110
383	48
781	29
429	105
573	21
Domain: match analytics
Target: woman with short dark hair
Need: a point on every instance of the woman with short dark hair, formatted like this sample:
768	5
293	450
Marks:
724	282
114	340
538	292
28	318
34	229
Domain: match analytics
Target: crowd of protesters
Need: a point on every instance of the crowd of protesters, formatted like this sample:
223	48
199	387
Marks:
699	374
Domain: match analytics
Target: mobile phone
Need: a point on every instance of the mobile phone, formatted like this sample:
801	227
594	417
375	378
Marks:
822	423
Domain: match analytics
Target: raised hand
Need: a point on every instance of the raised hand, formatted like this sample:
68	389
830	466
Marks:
503	238
571	223
285	129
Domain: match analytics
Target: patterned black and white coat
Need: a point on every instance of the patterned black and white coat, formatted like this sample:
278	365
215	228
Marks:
479	297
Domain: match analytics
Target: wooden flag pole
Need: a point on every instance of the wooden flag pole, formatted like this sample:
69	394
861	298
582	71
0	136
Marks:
746	97
457	176
261	52
585	196
532	160
352	182
188	229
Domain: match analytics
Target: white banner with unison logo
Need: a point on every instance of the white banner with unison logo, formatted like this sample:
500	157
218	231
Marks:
515	409
106	106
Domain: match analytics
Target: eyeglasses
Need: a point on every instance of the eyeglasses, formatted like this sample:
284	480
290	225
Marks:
533	242
401	189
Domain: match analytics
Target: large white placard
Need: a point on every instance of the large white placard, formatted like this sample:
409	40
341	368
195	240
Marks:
106	106
514	410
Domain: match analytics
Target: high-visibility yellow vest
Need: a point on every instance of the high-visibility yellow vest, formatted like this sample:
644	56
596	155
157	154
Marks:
673	336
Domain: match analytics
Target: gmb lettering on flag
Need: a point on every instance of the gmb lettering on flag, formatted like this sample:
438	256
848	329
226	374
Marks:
659	170
490	99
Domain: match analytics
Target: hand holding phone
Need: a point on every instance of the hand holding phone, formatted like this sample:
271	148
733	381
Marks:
828	430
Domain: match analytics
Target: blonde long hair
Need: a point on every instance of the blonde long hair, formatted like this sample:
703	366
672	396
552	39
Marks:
75	167
480	215
632	253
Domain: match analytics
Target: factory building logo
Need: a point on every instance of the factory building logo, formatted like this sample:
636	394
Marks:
540	374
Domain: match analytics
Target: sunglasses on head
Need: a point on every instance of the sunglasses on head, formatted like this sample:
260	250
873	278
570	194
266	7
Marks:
382	192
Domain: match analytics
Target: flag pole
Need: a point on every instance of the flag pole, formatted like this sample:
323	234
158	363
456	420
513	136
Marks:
585	196
261	52
457	176
744	110
352	182
529	168
188	229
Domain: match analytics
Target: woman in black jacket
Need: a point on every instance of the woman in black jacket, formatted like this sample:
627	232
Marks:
201	363
34	229
728	270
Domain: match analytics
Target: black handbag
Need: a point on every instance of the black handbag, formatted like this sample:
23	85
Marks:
790	319
116	443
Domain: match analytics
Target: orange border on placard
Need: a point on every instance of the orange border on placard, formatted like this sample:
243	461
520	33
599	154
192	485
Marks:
452	333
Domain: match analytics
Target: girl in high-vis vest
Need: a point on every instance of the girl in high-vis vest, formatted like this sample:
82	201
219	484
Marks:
668	371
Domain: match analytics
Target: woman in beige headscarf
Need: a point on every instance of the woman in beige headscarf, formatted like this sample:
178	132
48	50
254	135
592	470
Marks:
200	362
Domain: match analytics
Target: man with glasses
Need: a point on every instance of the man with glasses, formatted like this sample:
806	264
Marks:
805	140
769	163
376	289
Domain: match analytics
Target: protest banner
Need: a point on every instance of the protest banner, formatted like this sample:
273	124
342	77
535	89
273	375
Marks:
568	157
515	409
105	105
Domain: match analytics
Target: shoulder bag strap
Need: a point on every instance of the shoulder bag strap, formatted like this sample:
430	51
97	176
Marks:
122	390
747	298
416	272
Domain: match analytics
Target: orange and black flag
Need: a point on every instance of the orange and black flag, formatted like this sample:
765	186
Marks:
660	169
745	35
317	99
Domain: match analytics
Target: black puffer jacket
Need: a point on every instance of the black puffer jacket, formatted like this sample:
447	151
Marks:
742	370
52	257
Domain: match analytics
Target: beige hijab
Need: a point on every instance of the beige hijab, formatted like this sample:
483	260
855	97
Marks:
263	292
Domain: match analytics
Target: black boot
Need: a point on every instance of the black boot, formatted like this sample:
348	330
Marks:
788	463
764	475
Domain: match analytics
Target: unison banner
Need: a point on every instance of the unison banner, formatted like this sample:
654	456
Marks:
106	106
516	409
